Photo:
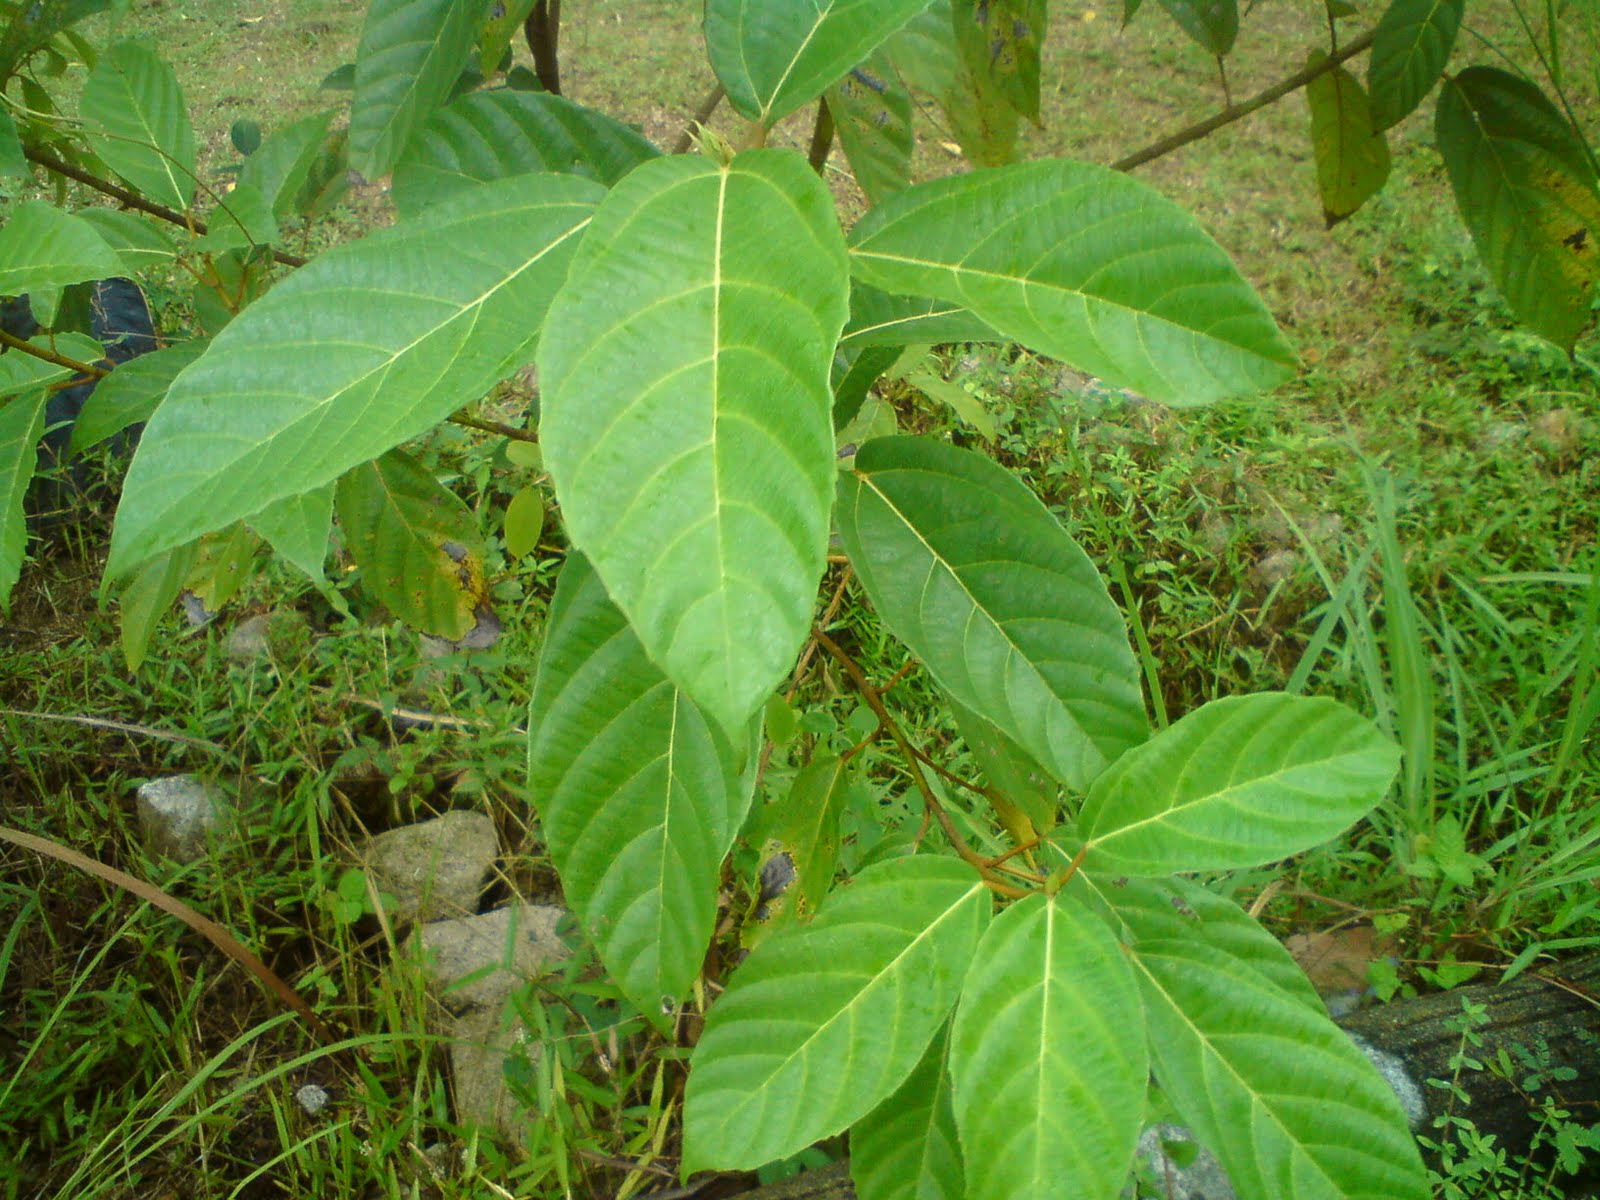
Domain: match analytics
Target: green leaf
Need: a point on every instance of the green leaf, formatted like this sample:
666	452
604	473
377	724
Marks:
1010	768
955	397
772	56
826	1020
1000	40
803	827
138	242
21	427
1410	48
872	115
131	393
1047	1066
22	372
221	566
1279	1093
855	370
1527	192
1086	265
974	109
879	319
686	413
299	528
243	218
907	1148
44	247
148	596
134	113
639	796
1352	156
372	343
13	163
969	569
280	168
1214	24
410	56
499	31
493	135
524	521
245	136
416	543
1240	781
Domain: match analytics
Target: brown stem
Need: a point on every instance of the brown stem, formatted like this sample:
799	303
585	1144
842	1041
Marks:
50	356
133	200
543	31
1235	112
821	138
930	801
701	115
498	427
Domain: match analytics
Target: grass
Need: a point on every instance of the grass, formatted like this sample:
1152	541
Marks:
1410	526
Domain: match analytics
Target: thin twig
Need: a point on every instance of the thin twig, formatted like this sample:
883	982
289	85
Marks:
50	356
497	427
701	115
133	200
930	801
1235	112
119	727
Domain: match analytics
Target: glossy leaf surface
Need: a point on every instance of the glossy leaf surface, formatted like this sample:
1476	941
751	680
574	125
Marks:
1240	781
1527	192
139	124
1277	1091
686	413
772	56
1352	156
1047	1066
410	56
826	1020
638	795
969	569
416	543
1084	264
1410	48
908	1148
493	135
372	343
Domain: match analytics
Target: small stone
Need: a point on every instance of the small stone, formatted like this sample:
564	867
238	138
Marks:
1276	567
434	869
1202	1179
248	641
178	813
1558	433
311	1098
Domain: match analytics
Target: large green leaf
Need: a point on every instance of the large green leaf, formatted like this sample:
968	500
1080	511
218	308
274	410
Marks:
1048	1068
1277	1091
1001	40
970	570
21	427
416	542
872	113
43	247
639	796
491	135
372	343
12	161
140	243
826	1020
686	412
973	105
134	111
1240	781
299	528
279	168
1085	264
1410	47
131	393
908	1148
1352	156
1214	24
772	56
1527	191
410	56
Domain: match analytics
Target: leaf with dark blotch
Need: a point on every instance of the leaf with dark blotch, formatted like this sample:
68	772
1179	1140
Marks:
1410	48
1352	156
416	542
872	114
1000	42
1527	191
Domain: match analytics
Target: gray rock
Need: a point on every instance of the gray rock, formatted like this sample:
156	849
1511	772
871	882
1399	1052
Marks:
178	814
434	869
248	640
1202	1179
473	966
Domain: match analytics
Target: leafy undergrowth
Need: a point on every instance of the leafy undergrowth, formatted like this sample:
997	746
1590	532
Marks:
1410	526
